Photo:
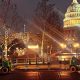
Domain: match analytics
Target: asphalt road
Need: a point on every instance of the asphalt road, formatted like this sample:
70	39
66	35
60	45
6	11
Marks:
40	75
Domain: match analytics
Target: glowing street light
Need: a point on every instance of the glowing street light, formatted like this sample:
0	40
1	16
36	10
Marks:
33	46
76	45
63	45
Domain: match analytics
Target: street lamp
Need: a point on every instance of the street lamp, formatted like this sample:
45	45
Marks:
63	45
33	46
76	45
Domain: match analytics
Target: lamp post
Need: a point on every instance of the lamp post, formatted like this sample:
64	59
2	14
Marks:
42	47
25	37
48	59
49	51
42	44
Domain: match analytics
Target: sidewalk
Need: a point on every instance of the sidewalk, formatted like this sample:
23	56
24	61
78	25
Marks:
53	66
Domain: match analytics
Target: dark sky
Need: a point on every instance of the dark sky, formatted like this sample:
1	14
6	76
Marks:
27	7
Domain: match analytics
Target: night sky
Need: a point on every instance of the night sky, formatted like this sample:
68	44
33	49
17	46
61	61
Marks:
27	7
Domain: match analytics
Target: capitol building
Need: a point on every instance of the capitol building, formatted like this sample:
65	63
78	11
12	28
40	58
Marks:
72	22
72	16
71	45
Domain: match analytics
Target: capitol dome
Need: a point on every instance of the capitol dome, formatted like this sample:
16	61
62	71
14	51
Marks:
72	16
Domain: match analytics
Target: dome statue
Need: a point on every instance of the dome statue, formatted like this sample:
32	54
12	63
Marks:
72	16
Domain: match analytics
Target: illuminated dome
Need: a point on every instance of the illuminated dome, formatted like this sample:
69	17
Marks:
72	16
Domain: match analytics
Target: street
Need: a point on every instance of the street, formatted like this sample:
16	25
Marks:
40	75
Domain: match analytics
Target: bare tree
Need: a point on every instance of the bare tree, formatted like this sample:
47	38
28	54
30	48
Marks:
9	15
49	17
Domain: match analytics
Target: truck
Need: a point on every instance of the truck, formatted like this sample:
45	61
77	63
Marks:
74	64
5	66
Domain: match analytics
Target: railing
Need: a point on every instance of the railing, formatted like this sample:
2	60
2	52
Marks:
25	61
28	63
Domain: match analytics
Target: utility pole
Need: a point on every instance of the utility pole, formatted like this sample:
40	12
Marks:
27	37
42	43
42	47
24	28
26	40
23	37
